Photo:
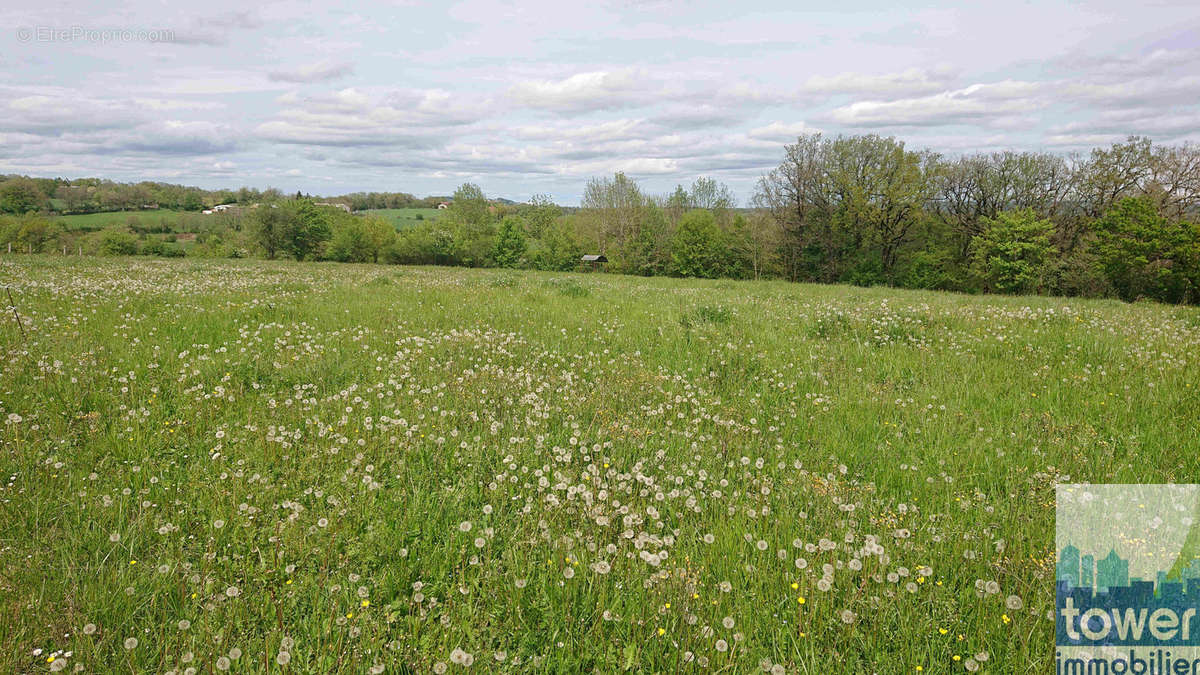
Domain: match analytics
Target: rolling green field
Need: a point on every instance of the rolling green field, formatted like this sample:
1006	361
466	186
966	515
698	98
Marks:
253	466
403	218
99	221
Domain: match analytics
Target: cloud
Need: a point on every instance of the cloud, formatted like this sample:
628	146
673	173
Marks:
1162	91
1124	66
779	131
163	105
54	112
910	82
175	137
355	118
699	117
214	31
976	103
592	91
315	72
1135	121
612	130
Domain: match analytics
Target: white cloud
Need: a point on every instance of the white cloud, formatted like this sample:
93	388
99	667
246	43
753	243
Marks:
599	90
313	72
910	82
780	131
978	102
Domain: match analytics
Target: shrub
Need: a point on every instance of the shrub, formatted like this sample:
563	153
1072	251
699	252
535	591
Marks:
1014	253
118	241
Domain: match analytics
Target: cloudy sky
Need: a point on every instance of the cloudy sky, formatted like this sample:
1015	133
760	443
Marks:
536	97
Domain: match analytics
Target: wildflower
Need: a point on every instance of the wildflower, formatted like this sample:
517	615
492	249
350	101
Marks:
184	624
131	643
722	646
1014	603
283	658
223	663
89	629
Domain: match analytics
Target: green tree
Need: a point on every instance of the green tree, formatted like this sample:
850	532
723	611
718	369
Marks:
558	250
20	195
268	228
39	234
351	242
698	248
510	244
470	206
648	253
613	210
382	236
1014	252
192	201
118	241
540	214
306	230
1144	255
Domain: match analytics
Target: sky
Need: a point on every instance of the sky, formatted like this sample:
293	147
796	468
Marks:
536	97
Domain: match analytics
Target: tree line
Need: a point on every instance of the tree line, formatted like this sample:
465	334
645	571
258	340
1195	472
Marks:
23	194
866	209
1119	222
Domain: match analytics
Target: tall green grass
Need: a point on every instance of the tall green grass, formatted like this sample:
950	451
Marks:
340	468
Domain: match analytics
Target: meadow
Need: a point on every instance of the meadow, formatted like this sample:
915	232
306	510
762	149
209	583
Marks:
402	218
254	466
165	219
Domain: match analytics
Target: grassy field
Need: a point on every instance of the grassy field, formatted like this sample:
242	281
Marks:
344	469
99	221
402	218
